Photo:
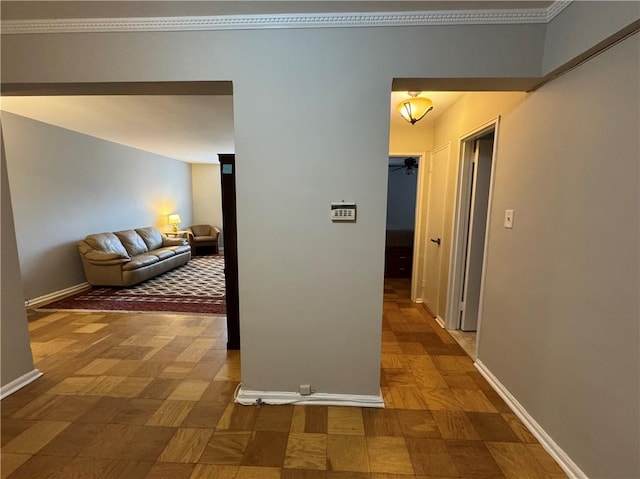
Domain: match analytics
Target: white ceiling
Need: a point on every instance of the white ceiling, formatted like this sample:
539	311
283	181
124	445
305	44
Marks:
190	128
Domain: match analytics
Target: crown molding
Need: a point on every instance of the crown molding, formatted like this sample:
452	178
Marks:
259	22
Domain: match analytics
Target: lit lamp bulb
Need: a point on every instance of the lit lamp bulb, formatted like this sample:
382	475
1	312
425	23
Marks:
175	221
413	109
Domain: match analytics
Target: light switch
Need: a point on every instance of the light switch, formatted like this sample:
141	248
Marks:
508	218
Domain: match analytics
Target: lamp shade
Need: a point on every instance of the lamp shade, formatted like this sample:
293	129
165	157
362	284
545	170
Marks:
174	219
415	108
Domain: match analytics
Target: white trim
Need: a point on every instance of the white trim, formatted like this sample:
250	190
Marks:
48	298
440	321
249	397
19	383
297	20
561	457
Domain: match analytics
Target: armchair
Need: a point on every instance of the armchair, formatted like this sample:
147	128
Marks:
203	236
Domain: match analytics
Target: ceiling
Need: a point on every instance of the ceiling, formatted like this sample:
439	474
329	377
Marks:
190	128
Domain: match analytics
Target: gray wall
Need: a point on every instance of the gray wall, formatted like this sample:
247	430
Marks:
207	198
16	359
66	185
560	321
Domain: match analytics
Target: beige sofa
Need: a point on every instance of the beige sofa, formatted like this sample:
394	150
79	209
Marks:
125	258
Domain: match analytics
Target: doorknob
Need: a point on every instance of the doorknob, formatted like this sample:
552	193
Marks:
437	241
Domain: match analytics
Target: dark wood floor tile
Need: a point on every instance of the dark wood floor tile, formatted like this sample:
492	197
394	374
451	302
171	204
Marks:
455	425
126	352
145	443
473	459
11	428
108	443
238	418
274	418
303	474
150	368
204	414
492	427
160	388
266	448
312	419
72	440
104	410
381	422
351	475
137	411
220	391
169	470
430	457
417	423
226	447
41	467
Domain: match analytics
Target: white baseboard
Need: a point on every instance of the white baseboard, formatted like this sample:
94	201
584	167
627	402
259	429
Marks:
249	397
440	321
56	295
561	457
19	383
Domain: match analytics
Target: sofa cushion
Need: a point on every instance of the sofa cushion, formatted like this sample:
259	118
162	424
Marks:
140	261
132	241
204	239
107	243
166	241
163	253
151	236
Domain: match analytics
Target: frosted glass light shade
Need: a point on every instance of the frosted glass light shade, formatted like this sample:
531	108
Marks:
415	108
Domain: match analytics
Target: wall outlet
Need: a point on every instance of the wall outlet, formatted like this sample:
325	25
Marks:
305	390
508	218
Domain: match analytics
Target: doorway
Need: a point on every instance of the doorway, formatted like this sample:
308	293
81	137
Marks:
402	189
145	89
475	179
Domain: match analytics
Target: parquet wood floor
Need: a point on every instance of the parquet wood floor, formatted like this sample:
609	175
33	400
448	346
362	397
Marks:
150	396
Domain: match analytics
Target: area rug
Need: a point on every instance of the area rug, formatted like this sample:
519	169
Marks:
196	287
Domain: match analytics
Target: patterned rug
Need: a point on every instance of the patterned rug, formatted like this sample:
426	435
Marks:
196	287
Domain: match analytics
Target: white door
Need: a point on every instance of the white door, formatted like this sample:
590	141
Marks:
437	191
479	206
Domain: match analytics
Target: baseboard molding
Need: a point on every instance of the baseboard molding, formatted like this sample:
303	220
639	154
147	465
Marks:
55	296
561	457
440	321
249	397
19	383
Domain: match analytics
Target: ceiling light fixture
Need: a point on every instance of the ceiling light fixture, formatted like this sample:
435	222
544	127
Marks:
413	109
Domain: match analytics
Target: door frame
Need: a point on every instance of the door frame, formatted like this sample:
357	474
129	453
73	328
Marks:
461	223
418	228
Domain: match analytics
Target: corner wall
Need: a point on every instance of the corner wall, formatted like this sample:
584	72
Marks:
16	359
67	185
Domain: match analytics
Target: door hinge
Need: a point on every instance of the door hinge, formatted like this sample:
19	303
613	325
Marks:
461	306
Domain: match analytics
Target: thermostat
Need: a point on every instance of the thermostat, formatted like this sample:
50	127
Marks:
343	211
